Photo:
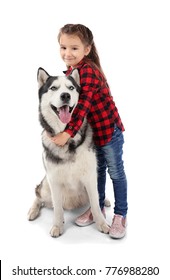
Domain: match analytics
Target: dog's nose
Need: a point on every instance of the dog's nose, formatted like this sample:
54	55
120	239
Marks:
65	96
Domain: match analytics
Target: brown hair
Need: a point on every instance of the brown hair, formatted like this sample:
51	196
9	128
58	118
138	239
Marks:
86	36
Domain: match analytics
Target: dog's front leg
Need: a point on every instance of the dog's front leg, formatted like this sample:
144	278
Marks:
58	219
94	203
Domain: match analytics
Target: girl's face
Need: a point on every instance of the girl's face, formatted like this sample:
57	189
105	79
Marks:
72	50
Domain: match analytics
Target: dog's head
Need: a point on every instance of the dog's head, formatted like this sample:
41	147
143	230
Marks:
58	95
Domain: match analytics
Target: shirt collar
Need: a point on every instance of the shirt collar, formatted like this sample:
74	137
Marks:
78	66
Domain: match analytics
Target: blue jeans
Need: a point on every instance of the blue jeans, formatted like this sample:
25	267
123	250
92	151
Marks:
110	157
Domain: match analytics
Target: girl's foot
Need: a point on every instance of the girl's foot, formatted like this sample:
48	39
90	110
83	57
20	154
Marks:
87	218
118	227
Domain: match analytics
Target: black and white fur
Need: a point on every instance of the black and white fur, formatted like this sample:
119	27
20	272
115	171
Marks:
71	170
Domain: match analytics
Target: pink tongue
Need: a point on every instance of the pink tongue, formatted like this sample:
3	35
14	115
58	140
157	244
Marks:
64	114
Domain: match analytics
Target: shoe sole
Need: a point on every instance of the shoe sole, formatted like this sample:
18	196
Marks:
116	237
84	224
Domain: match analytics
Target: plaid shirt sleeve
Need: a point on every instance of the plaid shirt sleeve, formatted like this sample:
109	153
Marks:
96	104
89	85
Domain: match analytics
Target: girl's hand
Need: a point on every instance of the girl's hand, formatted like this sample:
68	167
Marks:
60	139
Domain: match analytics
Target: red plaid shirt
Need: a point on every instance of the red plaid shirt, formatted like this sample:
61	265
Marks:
96	104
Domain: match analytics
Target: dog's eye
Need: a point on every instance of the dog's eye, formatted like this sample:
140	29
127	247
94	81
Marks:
71	87
53	88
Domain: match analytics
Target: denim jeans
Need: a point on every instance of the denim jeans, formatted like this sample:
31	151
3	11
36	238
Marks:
109	158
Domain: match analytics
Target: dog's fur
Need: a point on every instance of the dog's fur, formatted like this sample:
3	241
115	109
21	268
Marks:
71	170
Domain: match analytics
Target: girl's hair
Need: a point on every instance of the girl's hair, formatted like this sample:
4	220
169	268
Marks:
86	37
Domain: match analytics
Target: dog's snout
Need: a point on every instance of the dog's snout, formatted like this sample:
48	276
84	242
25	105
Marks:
65	96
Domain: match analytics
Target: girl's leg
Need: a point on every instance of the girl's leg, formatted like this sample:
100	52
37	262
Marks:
113	152
101	171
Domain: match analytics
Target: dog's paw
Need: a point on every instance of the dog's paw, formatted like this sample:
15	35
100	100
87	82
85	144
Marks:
33	214
104	227
56	231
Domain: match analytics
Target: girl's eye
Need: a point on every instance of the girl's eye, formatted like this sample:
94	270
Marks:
71	87
53	88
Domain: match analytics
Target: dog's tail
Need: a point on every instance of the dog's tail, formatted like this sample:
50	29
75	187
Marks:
107	202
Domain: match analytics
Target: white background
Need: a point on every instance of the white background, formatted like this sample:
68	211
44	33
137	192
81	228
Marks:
133	41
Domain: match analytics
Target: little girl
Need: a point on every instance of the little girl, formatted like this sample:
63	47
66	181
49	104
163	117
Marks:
77	49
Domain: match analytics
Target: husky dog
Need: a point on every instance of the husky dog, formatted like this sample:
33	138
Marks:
71	170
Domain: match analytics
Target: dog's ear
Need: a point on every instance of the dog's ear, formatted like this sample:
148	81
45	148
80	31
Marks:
42	77
75	75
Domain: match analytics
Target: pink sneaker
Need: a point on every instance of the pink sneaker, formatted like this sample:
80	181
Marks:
87	218
118	227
